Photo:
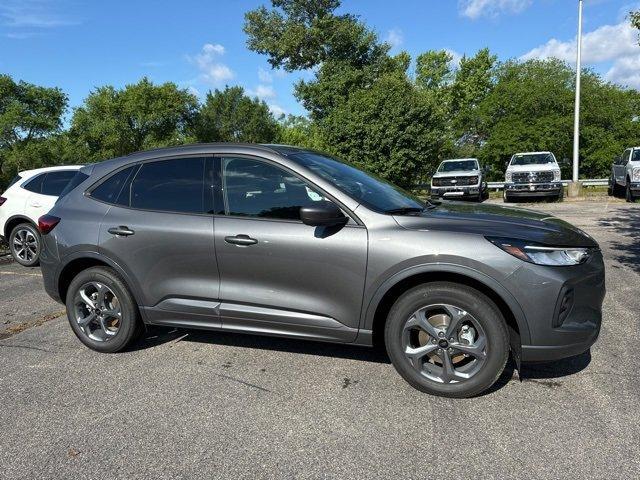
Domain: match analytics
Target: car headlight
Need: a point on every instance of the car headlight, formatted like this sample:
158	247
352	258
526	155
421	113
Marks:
542	254
635	175
508	177
556	175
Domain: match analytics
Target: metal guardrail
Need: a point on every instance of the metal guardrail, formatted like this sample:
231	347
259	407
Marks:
590	182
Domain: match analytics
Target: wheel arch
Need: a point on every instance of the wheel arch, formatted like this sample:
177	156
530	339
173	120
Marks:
15	220
84	260
390	291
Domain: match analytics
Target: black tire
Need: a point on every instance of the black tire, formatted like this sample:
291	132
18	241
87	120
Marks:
628	193
561	195
130	325
20	236
505	197
480	197
476	304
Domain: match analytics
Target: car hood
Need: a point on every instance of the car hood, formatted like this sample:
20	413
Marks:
457	173
498	221
542	167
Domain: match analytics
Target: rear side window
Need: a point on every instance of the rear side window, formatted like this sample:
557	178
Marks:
35	184
175	185
110	190
54	182
75	181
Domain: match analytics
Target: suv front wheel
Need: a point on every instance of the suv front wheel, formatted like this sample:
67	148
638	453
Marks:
102	311
447	339
25	245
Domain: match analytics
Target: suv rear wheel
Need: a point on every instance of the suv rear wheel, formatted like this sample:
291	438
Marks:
102	311
25	244
447	339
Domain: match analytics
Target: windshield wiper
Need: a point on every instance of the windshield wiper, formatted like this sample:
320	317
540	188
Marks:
404	210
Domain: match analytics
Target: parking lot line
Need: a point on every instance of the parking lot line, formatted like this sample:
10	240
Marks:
20	273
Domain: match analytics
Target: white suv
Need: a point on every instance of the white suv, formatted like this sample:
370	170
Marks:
533	174
30	195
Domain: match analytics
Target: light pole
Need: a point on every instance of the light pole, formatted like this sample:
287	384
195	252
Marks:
576	121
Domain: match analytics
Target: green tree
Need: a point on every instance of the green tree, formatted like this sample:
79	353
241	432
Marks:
300	131
29	114
433	69
140	116
635	21
231	116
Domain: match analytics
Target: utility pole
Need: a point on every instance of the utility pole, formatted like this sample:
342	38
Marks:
576	123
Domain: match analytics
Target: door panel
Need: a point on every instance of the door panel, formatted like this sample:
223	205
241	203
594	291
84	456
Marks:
298	277
278	275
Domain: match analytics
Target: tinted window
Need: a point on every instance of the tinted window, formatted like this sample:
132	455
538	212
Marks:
109	190
458	165
625	157
75	181
170	185
636	156
35	184
54	182
258	189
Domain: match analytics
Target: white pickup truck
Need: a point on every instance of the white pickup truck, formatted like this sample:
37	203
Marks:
533	174
625	175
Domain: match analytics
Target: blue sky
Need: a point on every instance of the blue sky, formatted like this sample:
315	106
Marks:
200	45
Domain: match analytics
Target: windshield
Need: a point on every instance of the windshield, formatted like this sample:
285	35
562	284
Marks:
458	165
366	188
532	159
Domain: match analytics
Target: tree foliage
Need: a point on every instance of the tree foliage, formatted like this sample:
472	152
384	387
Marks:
635	21
231	116
116	122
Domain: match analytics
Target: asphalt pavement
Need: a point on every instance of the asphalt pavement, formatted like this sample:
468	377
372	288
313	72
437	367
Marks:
184	404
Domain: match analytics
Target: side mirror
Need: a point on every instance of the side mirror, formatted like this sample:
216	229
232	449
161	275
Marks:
324	214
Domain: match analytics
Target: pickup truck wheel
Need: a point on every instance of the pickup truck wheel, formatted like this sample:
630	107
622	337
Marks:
629	193
447	339
25	245
505	197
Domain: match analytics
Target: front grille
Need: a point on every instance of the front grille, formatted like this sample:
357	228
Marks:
455	181
532	177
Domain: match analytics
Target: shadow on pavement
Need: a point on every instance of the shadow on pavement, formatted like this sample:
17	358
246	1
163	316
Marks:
157	336
626	253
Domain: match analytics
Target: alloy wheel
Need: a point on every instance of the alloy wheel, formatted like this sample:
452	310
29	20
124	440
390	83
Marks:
444	343
25	245
97	311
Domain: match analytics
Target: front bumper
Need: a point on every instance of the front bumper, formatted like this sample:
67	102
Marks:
533	189
563	306
453	192
635	187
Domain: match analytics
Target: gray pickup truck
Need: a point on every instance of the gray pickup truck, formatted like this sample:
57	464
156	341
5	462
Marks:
625	175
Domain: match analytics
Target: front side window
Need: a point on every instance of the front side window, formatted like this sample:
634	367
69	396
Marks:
625	157
253	188
636	155
54	182
175	185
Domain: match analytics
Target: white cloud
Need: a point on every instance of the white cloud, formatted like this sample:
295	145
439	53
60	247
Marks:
277	110
490	8
605	43
212	71
394	37
264	75
262	92
609	43
193	91
455	58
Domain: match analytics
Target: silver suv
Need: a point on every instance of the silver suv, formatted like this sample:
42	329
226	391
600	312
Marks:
276	240
625	175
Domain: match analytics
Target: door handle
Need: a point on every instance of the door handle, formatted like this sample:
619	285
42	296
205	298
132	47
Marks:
36	205
242	240
121	231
